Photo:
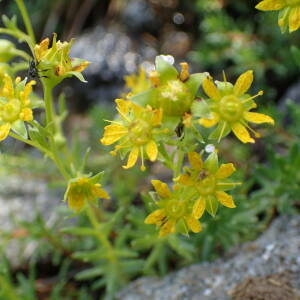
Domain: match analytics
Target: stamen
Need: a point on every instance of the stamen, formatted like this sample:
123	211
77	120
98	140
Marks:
224	76
184	74
143	168
222	131
154	78
260	93
113	122
257	135
229	183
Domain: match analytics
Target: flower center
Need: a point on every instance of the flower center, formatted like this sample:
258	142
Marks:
10	111
231	108
174	98
207	185
139	132
175	209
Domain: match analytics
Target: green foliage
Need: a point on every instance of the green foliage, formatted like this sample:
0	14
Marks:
108	245
234	36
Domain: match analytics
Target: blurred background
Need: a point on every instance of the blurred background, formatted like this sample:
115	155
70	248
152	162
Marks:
117	37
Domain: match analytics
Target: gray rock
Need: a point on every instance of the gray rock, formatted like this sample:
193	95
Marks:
113	54
276	251
20	200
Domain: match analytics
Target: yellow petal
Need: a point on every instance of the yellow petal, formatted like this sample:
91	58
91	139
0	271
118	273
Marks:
8	88
157	117
198	208
137	110
26	114
151	150
225	171
243	83
76	203
294	19
225	199
271	5
161	188
185	179
257	118
132	158
167	228
113	133
155	217
210	89
215	118
28	88
242	133
193	224
122	106
99	192
195	160
4	131
184	74
82	66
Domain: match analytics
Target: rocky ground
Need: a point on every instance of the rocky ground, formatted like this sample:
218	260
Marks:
266	269
21	199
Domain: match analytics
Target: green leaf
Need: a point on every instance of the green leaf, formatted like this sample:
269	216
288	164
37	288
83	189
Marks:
194	82
212	163
97	178
171	122
182	228
166	70
221	131
79	231
200	109
20	129
91	256
90	273
197	134
78	75
144	98
212	205
36	136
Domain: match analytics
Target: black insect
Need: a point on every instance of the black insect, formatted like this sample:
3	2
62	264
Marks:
179	130
33	72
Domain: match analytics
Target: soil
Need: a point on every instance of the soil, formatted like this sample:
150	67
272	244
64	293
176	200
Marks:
272	287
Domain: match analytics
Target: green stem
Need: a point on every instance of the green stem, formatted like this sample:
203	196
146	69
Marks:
33	144
50	125
99	233
164	153
180	159
26	19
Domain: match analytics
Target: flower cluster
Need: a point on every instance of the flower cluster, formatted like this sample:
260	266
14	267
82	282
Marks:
163	109
55	61
289	12
15	106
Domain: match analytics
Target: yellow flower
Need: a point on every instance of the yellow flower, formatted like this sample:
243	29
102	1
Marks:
289	15
55	61
83	189
15	106
229	108
209	182
135	131
174	211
